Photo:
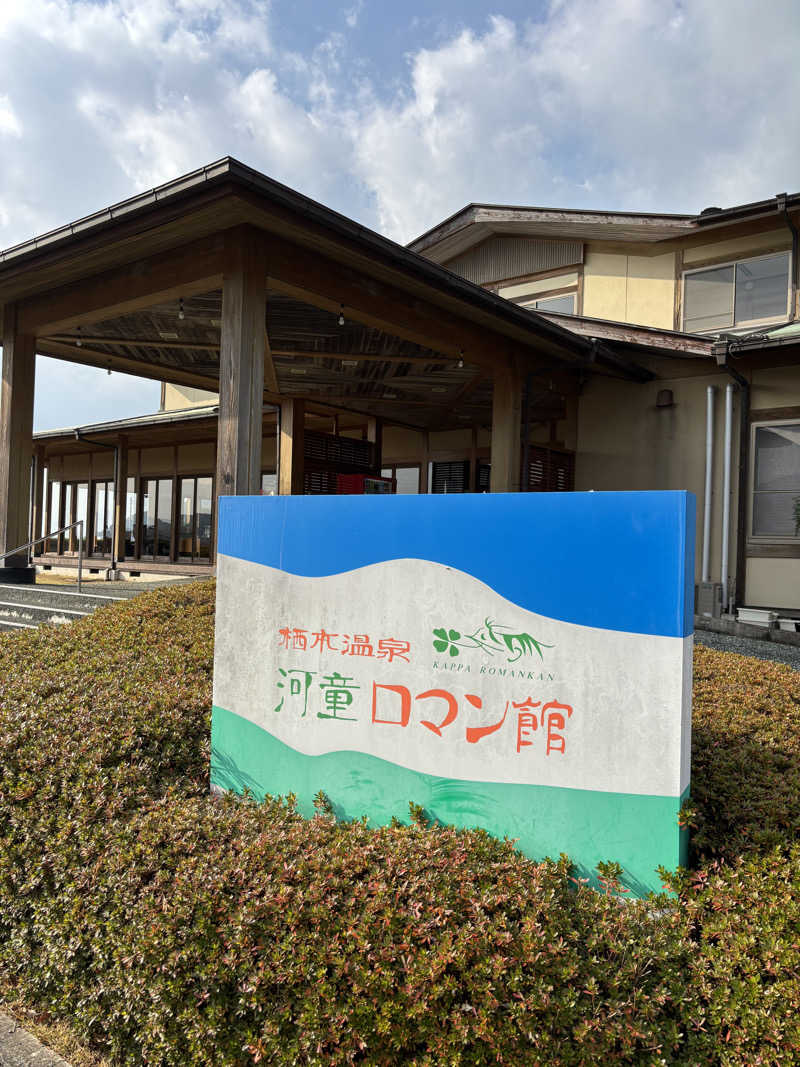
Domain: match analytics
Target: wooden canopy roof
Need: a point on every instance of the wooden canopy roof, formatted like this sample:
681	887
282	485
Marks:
137	288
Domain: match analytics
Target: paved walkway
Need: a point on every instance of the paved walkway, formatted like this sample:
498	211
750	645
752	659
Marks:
748	646
19	1049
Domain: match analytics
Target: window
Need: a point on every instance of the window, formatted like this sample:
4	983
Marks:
269	483
745	293
130	518
194	518
71	504
54	517
776	481
561	305
550	470
103	533
450	477
156	518
406	477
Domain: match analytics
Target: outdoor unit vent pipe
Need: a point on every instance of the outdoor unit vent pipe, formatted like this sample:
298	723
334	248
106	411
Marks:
706	572
726	495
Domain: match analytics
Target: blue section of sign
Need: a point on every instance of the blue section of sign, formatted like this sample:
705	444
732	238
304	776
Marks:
615	561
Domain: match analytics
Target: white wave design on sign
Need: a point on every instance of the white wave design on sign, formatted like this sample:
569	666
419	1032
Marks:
429	668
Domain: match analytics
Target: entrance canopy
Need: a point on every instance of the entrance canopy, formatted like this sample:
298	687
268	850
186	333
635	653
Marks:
227	281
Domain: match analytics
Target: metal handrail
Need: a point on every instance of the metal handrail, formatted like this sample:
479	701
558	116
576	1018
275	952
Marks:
46	537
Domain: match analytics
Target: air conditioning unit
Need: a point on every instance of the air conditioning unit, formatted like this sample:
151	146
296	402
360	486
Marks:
709	600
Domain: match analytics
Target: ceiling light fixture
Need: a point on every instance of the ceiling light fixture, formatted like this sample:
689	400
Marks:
79	341
340	320
181	312
460	360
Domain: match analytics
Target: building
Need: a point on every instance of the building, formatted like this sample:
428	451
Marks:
506	349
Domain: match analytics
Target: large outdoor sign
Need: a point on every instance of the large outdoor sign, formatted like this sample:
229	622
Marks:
516	662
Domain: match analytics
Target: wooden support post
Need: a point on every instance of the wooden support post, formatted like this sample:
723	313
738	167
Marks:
423	473
121	498
37	517
241	364
375	437
506	427
16	435
292	448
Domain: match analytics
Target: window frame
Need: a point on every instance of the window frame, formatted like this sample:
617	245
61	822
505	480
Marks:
530	300
745	323
394	467
765	539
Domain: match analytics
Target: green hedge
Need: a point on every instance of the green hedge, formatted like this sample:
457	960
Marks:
174	928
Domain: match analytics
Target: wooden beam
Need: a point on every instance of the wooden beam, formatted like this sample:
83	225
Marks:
92	358
309	276
291	448
506	427
138	342
242	354
193	268
367	357
16	434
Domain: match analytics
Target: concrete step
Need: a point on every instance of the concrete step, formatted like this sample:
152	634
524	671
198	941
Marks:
7	626
55	598
36	614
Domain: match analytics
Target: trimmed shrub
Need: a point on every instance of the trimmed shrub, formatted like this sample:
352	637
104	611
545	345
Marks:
175	928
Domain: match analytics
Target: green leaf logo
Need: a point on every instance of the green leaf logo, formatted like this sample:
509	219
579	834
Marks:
445	640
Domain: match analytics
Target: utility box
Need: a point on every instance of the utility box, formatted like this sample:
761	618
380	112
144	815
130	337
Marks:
709	600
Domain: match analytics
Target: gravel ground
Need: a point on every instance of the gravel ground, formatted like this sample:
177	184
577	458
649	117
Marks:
747	646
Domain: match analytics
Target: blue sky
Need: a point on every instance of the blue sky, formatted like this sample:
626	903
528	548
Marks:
395	114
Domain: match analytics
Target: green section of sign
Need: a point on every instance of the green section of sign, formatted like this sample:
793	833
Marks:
639	832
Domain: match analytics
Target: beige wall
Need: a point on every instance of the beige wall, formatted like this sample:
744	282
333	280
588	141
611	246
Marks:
177	397
753	244
626	442
196	459
626	288
773	583
778	387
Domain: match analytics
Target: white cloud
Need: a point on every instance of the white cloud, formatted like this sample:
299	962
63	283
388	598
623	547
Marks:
638	104
69	395
9	123
352	14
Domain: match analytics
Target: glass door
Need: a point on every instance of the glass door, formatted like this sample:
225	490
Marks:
156	519
194	521
103	531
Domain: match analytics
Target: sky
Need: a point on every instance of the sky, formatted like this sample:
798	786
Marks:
396	114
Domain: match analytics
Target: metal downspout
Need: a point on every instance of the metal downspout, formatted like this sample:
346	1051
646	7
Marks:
722	350
706	568
726	497
780	200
